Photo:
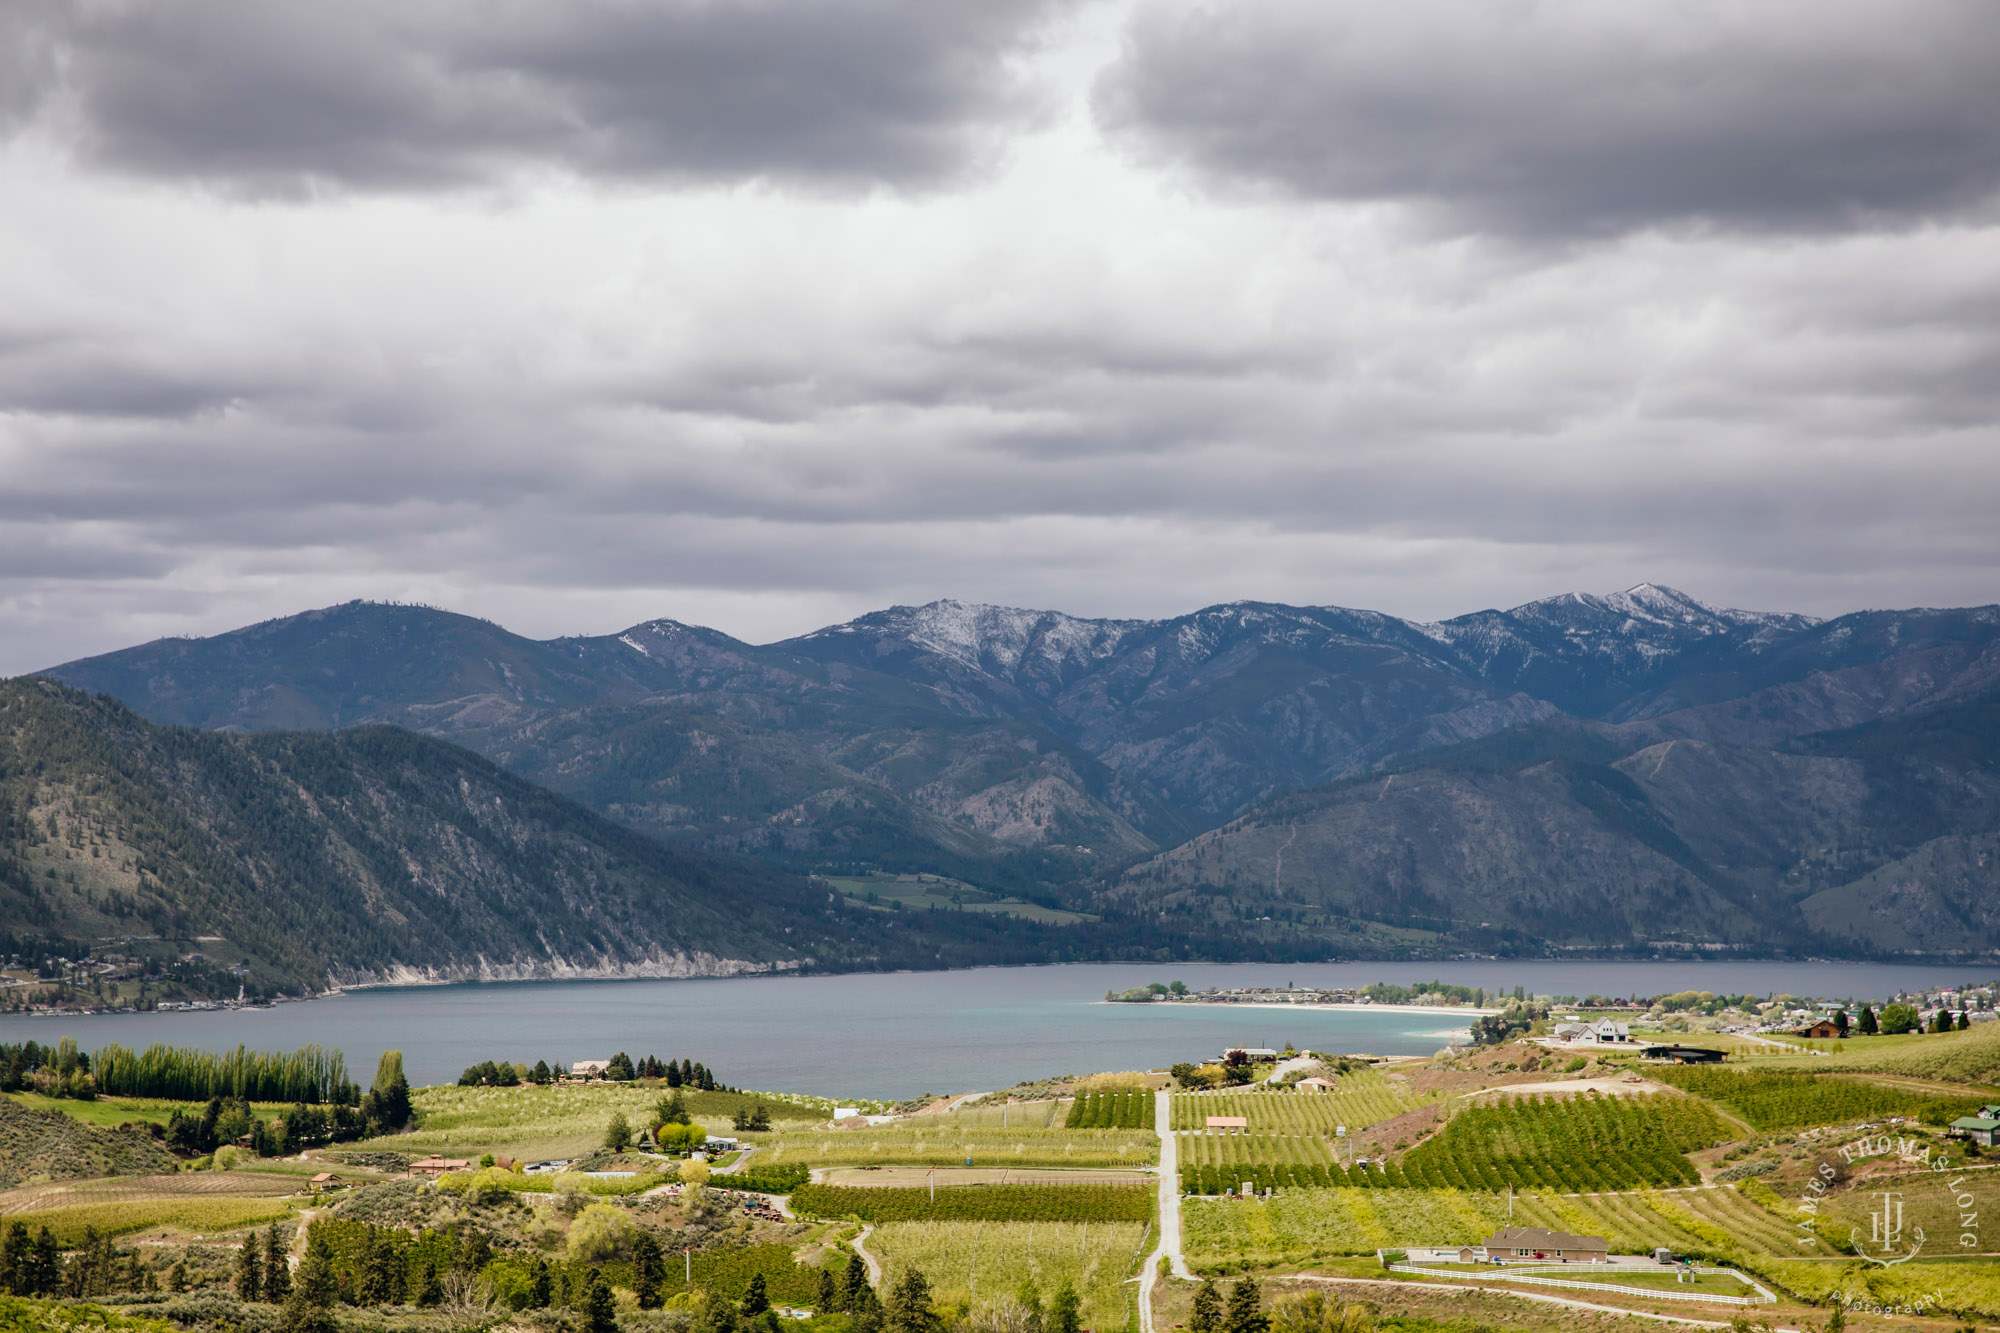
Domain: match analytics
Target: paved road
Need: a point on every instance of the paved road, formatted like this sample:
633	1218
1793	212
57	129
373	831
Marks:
1169	1210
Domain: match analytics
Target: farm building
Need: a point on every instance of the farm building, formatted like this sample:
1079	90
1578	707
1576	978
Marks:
1541	1243
435	1166
1822	1028
326	1180
1228	1124
1314	1085
1983	1129
1685	1055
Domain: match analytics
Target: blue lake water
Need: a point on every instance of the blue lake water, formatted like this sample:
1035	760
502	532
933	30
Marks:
899	1034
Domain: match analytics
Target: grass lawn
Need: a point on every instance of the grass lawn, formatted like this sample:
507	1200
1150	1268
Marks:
106	1112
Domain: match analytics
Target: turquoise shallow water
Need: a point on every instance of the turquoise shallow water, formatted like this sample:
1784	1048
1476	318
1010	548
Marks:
902	1033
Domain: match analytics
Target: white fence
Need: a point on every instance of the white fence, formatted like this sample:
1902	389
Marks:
1510	1274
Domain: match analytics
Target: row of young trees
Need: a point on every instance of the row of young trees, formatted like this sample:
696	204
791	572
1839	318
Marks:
230	1120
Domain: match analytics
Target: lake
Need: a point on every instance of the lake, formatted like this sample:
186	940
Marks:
902	1033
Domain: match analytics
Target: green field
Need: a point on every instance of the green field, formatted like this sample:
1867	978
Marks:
1972	1056
1049	1114
979	1203
1299	1225
564	1120
1360	1098
928	893
1795	1098
984	1263
1219	1163
945	1144
1111	1110
1567	1143
193	1213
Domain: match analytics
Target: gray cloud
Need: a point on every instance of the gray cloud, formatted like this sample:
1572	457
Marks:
1575	117
1069	381
284	96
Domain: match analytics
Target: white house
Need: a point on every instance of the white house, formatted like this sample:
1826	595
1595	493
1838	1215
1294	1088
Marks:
1604	1032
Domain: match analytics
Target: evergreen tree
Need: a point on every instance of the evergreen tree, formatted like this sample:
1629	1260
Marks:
673	1074
1245	1313
1840	1023
1964	1021
277	1273
600	1312
1870	1025
46	1272
249	1284
908	1309
756	1299
687	1075
827	1297
854	1288
309	1309
543	1289
718	1316
867	1312
1206	1317
1065	1310
16	1257
618	1134
177	1277
430	1291
540	1074
378	1275
649	1271
674	1110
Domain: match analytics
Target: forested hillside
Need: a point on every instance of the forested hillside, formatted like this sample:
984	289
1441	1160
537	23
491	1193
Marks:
286	860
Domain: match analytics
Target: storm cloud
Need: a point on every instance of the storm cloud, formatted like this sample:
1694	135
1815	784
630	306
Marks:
1572	116
289	95
762	317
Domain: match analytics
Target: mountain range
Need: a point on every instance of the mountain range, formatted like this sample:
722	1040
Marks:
1586	773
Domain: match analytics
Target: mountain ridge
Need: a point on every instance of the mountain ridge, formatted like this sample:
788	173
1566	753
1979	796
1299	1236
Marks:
1058	756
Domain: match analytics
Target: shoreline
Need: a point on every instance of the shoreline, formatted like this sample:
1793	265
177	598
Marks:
1443	1011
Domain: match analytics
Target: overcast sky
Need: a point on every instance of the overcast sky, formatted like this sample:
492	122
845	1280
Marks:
761	316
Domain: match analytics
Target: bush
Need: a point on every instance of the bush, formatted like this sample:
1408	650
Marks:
602	1231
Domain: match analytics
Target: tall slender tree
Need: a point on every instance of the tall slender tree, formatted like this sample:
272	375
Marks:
277	1270
249	1270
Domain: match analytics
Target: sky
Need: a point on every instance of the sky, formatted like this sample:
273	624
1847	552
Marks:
761	316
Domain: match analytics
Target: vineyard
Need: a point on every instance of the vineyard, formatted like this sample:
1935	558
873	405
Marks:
1219	1163
1566	1143
1360	1098
201	1213
1795	1098
767	1180
728	1272
979	1203
949	1145
983	1264
1305	1224
1111	1110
